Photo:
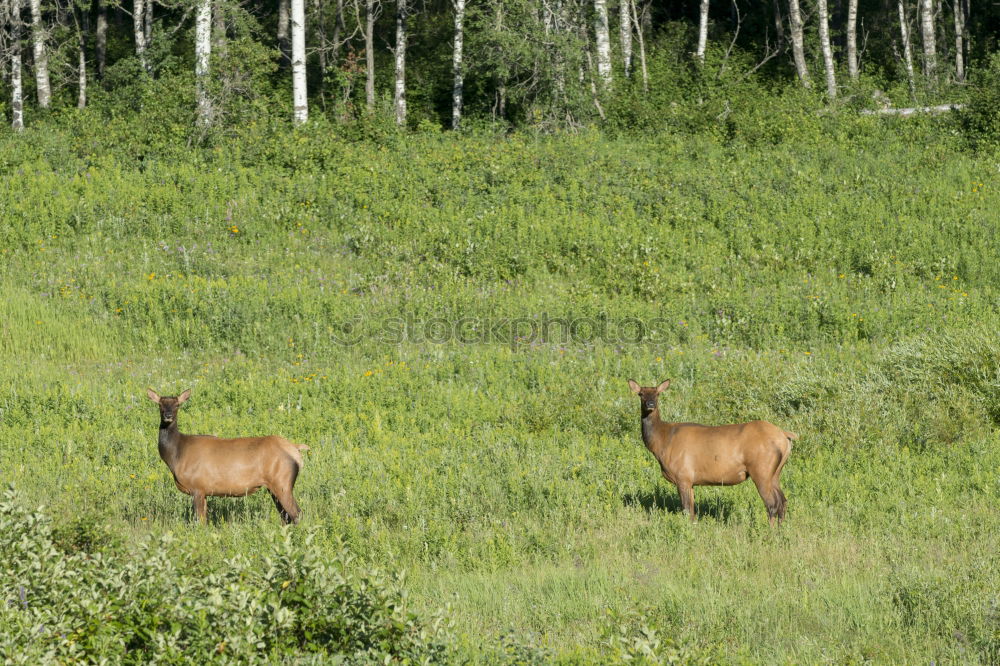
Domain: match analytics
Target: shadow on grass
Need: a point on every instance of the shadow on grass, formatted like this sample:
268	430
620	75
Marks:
666	499
229	510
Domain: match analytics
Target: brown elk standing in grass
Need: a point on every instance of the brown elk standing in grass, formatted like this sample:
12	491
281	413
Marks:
691	454
205	465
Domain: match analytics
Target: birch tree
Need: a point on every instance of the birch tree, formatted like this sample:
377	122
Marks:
298	26
500	107
798	47
625	29
139	32
960	18
202	54
147	21
16	92
702	31
603	38
81	73
81	21
927	33
370	54
824	43
852	39
642	45
42	87
399	89
904	32
456	64
101	38
284	32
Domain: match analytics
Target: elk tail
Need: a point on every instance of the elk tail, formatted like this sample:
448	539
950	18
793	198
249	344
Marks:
294	451
790	435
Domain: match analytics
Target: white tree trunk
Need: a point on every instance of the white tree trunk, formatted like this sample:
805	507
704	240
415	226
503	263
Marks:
642	45
603	37
702	30
625	29
906	113
824	43
147	22
370	54
959	40
298	25
927	32
321	49
16	91
41	55
399	93
456	65
904	32
101	38
81	75
798	48
139	32
284	31
500	106
852	39
202	56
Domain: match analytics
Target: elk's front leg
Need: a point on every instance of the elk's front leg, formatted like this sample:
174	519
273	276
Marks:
686	492
200	506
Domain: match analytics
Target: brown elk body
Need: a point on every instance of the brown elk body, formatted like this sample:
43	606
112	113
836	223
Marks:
204	465
691	454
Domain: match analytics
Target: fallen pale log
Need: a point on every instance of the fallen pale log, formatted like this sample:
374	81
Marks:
941	108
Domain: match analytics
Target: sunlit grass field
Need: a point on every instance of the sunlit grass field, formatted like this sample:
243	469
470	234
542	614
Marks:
384	304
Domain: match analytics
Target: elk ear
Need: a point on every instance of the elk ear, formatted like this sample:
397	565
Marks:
153	395
663	387
634	386
182	398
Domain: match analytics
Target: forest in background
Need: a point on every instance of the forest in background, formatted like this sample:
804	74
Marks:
626	64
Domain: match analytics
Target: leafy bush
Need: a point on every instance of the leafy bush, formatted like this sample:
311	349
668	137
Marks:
154	606
632	639
981	117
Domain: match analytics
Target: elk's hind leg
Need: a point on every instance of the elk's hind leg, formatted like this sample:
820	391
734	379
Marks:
765	476
286	505
777	486
774	499
782	504
281	493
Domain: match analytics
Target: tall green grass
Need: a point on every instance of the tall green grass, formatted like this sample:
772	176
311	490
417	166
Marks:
848	294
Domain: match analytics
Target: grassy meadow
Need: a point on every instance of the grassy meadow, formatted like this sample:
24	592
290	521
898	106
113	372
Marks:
383	302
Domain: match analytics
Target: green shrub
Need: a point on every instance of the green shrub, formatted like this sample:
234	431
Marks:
154	605
631	638
980	119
